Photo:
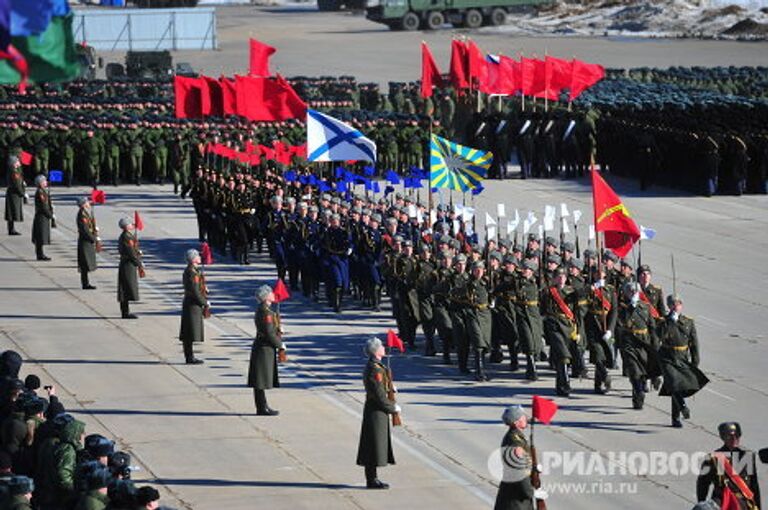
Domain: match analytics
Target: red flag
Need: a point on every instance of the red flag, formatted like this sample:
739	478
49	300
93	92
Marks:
206	256
583	76
430	74
542	80
187	96
560	76
266	99
137	223
612	217
459	72
215	97
98	196
730	502
260	54
228	96
543	409
476	64
26	158
281	291
527	66
255	159
394	341
500	76
205	96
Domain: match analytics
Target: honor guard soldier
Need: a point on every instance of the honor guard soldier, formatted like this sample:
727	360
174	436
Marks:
528	318
559	303
503	297
730	467
267	349
44	218
88	241
599	327
15	195
375	448
194	308
130	269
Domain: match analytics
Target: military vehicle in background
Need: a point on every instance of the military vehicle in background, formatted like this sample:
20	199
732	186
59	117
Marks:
154	65
433	14
159	4
86	55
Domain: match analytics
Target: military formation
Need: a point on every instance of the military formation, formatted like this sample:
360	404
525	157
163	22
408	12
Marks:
46	459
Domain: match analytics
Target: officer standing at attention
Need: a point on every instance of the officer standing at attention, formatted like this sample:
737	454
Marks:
130	268
44	218
194	308
730	466
267	348
15	195
88	241
375	448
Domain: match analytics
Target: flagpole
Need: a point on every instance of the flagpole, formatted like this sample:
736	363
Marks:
429	172
598	245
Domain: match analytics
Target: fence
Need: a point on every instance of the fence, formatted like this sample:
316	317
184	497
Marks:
147	29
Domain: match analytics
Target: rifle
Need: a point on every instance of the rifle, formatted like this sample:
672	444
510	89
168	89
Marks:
535	473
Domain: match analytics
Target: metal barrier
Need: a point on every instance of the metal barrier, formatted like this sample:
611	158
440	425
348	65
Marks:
147	29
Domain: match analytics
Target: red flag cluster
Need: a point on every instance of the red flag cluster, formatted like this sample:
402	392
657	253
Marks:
612	217
254	153
491	74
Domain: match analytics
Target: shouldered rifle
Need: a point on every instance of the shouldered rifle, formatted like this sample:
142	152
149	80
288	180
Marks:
535	473
396	420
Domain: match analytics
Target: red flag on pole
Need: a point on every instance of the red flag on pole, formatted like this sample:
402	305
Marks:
478	73
527	66
430	74
215	96
228	96
259	61
137	223
394	341
612	217
98	196
188	97
459	71
583	76
26	158
543	410
281	291
206	257
268	99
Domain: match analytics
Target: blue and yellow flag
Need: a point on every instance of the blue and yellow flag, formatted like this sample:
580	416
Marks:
456	167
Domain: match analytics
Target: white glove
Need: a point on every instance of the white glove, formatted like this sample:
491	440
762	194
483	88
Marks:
599	284
398	409
394	388
607	336
349	251
635	299
674	316
26	196
97	229
540	494
253	211
208	304
284	347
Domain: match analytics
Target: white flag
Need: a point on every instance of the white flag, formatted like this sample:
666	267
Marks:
412	211
468	214
566	228
490	232
526	226
500	211
329	139
532	218
647	233
456	226
564	210
511	226
468	228
541	232
576	216
459	208
432	217
549	217
489	220
591	232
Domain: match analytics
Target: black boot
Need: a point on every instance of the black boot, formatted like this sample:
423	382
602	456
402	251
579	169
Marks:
372	480
262	408
377	299
84	280
429	347
337	300
638	394
39	252
530	368
514	363
189	355
483	371
562	382
12	230
125	310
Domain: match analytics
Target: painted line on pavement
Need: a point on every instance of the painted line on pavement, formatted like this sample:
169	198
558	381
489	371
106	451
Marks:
719	394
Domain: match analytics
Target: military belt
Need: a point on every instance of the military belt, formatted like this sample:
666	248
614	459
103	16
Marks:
535	302
245	211
643	331
583	302
481	306
678	347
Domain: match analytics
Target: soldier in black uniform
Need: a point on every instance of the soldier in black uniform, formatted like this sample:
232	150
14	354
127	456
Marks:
742	474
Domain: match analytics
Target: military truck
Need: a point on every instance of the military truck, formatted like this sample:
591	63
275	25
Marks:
433	14
149	64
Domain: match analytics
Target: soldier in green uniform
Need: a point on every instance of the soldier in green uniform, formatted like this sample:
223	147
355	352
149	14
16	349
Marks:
599	326
503	295
406	273
455	285
95	496
67	154
130	268
44	218
730	466
478	321
112	157
679	359
559	304
194	307
179	162
159	154
375	448
93	153
134	139
574	268
439	283
266	350
528	318
87	241
15	195
425	268
20	489
636	336
651	294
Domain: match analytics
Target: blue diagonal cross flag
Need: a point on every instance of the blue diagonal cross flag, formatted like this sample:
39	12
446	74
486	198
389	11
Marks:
329	139
456	167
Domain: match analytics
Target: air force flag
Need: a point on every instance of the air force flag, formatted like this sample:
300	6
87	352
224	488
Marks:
329	139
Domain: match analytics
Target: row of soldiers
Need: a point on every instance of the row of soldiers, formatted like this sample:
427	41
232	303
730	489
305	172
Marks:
468	300
46	459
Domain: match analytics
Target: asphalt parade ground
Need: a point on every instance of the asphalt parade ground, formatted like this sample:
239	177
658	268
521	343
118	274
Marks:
194	432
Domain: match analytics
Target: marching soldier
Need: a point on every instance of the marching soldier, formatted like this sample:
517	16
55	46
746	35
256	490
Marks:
504	296
528	318
88	241
730	467
456	307
559	302
15	195
406	273
130	269
375	448
679	359
650	294
600	324
194	308
425	267
267	349
336	248
276	226
44	218
440	281
636	335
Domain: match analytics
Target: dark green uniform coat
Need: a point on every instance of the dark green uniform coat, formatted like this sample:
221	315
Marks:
127	273
560	329
515	489
86	241
679	357
192	329
14	196
375	448
92	500
635	332
528	317
262	371
41	225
